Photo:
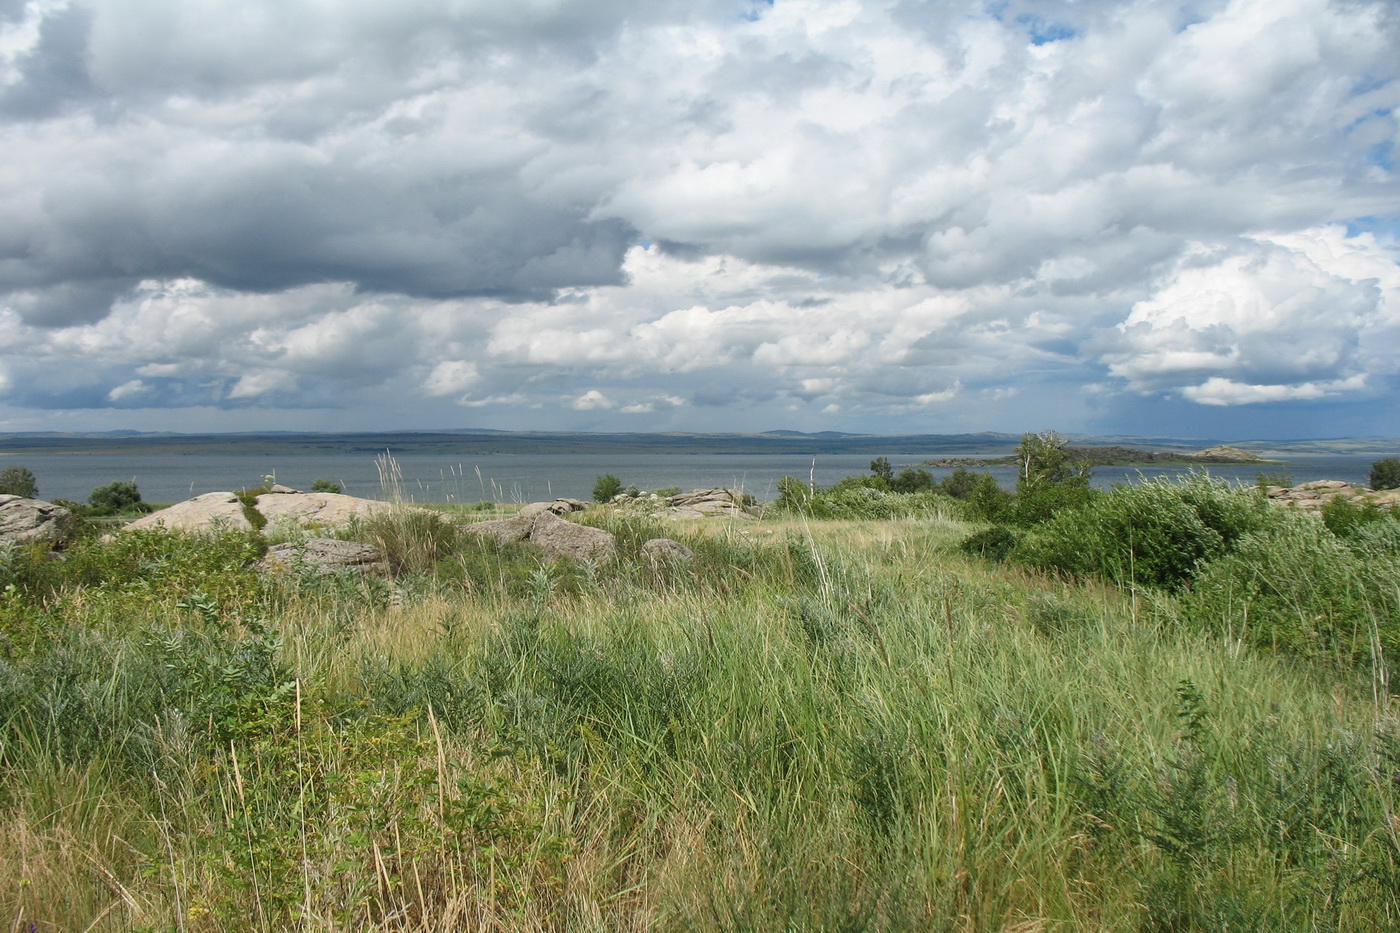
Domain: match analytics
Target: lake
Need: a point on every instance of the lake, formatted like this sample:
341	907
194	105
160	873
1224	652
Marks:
166	478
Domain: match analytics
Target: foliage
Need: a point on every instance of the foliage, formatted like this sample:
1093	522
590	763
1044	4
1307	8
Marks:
880	466
606	487
18	481
1157	533
1345	517
994	543
913	479
1044	459
325	485
1292	585
114	497
1385	474
413	540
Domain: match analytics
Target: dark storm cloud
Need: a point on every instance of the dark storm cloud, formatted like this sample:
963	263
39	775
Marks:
54	73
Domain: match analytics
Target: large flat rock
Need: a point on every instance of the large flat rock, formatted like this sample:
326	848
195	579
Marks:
212	510
305	509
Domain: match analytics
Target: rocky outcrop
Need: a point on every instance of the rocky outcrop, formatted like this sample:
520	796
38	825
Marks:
33	521
221	510
712	503
325	556
1312	496
317	509
698	503
554	536
282	506
559	506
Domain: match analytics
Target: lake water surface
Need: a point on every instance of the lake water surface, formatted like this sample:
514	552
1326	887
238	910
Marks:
165	478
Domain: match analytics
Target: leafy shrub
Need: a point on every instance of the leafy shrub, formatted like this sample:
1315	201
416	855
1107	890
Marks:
112	498
1346	517
1385	474
961	483
606	487
986	500
995	543
325	485
1295	586
1035	504
912	480
18	481
1143	534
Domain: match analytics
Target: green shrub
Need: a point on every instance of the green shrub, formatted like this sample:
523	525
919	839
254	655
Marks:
1385	474
986	500
1143	534
1295	586
912	480
1033	505
112	498
606	488
995	543
325	485
18	481
1345	517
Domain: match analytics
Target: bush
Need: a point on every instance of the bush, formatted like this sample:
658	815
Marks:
1385	474
112	498
1346	517
18	481
1144	534
1294	586
325	485
606	488
912	480
995	543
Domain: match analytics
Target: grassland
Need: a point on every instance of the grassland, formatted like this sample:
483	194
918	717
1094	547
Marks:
813	725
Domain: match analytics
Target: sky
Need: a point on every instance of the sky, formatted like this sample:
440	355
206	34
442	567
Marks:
1151	217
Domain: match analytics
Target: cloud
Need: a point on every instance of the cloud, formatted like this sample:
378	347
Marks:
1296	316
593	400
868	208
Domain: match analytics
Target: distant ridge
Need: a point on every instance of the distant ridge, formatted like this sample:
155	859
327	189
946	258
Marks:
490	441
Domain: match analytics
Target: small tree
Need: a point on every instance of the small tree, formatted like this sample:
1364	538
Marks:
1385	474
325	485
18	481
912	479
880	466
112	498
606	488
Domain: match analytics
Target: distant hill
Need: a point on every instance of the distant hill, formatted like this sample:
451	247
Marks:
485	441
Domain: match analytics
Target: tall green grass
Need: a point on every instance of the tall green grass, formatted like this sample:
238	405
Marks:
840	725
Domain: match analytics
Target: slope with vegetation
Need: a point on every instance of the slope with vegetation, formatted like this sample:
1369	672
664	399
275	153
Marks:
1167	709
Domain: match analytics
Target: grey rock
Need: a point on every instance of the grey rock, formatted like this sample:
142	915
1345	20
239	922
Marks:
325	555
33	521
551	534
202	513
712	503
504	530
558	538
557	507
660	551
